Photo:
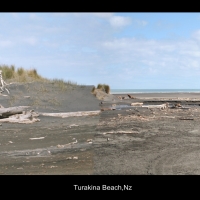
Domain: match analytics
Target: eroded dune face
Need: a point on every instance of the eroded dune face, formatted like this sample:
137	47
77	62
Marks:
49	97
101	95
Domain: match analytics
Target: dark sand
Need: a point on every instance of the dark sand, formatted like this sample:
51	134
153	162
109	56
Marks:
136	140
55	153
129	140
162	95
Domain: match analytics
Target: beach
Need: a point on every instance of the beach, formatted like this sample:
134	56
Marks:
116	139
53	145
136	140
163	95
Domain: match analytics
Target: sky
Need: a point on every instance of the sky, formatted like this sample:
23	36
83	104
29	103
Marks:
130	50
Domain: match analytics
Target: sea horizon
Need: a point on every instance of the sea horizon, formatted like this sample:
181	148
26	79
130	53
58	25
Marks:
124	91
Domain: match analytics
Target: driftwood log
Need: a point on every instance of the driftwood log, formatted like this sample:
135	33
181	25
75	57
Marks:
17	115
25	118
72	114
161	107
136	104
6	112
130	96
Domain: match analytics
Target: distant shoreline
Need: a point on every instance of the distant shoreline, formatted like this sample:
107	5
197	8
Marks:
162	95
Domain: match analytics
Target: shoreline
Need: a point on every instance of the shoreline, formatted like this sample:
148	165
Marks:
162	95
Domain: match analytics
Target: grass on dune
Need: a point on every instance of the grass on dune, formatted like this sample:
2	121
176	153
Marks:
11	74
103	87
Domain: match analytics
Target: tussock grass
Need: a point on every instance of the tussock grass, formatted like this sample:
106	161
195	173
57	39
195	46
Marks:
10	73
93	89
107	89
20	71
33	73
63	84
7	72
103	87
100	86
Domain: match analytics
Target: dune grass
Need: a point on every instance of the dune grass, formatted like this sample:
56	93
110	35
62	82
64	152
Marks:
103	87
63	85
11	74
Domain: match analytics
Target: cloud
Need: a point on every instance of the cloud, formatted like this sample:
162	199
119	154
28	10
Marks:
6	43
119	21
34	16
141	22
84	47
196	35
104	15
15	15
161	57
30	40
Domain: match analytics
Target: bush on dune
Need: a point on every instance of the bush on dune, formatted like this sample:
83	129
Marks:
103	87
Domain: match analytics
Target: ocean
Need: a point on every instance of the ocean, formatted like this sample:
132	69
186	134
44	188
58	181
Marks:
126	91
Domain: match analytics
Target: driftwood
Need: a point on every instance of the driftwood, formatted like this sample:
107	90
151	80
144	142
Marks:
122	132
40	138
162	106
3	84
27	118
130	96
105	109
136	104
17	115
186	118
72	114
6	112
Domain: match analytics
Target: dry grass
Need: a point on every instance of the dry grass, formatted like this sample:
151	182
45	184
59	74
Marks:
93	89
10	73
20	72
103	87
63	85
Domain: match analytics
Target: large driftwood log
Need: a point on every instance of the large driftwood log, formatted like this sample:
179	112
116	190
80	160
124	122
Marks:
26	117
162	106
136	104
6	112
72	114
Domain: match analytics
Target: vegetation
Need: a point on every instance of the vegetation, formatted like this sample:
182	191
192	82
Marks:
20	71
93	89
63	84
103	87
10	73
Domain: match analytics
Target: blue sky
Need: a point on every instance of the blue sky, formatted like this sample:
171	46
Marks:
125	50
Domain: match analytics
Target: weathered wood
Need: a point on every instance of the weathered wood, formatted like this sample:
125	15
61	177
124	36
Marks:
6	112
72	114
3	84
21	118
130	96
186	118
162	106
120	131
136	104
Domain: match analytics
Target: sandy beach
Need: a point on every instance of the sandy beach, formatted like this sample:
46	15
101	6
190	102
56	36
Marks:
120	139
